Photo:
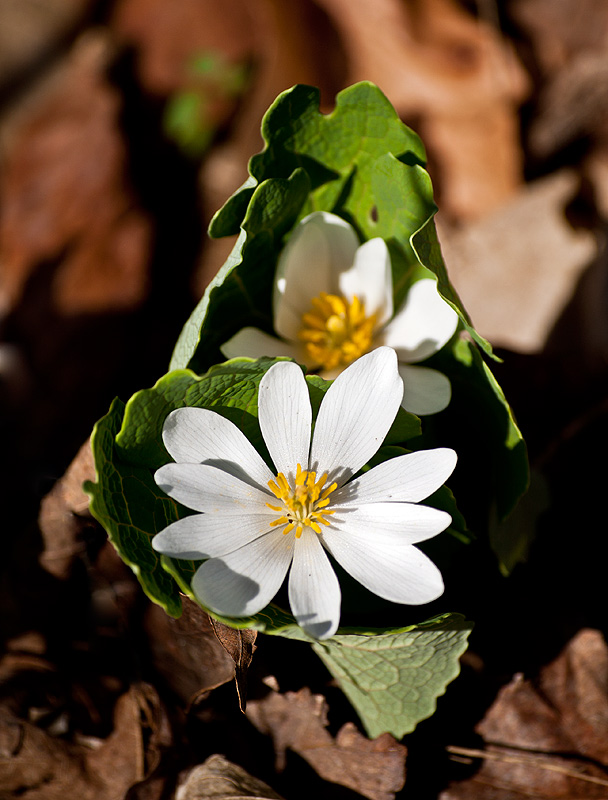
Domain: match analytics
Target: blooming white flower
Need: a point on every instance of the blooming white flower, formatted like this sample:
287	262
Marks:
254	525
333	302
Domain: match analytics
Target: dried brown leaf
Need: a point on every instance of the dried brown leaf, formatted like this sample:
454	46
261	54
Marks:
37	766
547	738
298	720
220	779
186	651
240	646
61	515
517	268
65	196
168	36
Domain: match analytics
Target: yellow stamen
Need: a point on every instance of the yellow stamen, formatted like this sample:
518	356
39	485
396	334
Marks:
304	504
336	331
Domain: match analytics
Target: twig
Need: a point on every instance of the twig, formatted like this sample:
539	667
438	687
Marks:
532	761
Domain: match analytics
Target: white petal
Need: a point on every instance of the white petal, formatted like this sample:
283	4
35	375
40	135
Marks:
285	416
408	478
199	435
319	249
245	581
314	591
425	391
254	343
371	280
423	324
374	524
208	535
205	488
393	570
355	415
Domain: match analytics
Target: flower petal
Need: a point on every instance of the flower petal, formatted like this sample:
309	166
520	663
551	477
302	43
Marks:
314	591
374	524
208	489
370	279
254	343
319	249
423	324
208	535
394	570
199	435
408	478
245	581
425	391
355	415
285	416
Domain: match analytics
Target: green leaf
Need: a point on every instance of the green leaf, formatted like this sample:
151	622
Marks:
512	537
428	250
493	472
393	678
131	508
241	292
128	448
360	162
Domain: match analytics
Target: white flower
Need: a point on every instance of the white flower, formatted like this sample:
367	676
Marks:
333	302
254	525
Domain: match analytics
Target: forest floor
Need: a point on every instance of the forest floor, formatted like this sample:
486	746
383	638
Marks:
108	180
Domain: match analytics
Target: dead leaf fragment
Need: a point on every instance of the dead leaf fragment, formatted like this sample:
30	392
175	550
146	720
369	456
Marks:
61	511
65	196
186	651
240	646
37	766
298	721
547	738
516	268
220	779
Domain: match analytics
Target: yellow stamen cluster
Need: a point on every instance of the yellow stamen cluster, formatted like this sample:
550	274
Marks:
336	332
304	505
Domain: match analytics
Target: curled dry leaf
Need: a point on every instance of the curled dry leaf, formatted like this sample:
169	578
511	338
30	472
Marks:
65	197
298	721
187	652
547	738
62	514
220	779
240	646
37	766
517	268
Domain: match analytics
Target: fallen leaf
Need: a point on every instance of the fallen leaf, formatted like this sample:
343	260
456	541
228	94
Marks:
560	29
240	646
62	514
517	268
546	738
298	721
187	652
167	37
37	766
65	196
29	31
219	779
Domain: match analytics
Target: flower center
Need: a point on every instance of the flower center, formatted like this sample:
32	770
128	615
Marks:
335	331
304	504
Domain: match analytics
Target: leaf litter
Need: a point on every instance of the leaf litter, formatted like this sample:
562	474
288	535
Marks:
96	684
